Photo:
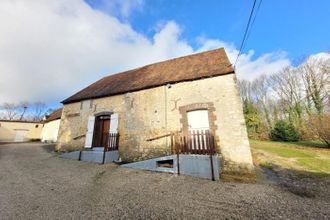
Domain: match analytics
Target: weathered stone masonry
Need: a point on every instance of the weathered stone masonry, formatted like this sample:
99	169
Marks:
157	111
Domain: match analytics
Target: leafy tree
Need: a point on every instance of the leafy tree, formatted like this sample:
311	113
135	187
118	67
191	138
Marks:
284	131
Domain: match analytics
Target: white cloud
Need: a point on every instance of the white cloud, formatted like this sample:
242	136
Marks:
247	67
269	63
51	49
120	8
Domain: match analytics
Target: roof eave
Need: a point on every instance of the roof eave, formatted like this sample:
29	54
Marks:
149	87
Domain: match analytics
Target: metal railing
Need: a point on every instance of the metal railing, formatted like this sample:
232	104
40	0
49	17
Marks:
112	142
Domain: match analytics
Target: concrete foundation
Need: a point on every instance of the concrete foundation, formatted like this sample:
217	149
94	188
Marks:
191	165
94	156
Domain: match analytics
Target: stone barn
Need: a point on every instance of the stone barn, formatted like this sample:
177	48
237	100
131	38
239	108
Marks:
142	113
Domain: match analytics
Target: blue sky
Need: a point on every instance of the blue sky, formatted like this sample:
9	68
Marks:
299	27
65	46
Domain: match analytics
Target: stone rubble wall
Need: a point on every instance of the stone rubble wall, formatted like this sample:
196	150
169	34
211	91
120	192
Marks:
154	112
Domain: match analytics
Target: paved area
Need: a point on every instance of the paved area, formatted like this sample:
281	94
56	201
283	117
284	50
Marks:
36	184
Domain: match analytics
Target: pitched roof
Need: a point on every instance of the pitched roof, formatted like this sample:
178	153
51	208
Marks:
54	115
187	68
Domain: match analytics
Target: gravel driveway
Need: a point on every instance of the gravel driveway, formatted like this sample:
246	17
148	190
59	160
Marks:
36	184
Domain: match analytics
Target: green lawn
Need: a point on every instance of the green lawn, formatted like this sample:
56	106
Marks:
301	156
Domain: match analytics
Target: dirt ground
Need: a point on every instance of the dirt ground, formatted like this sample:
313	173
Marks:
36	184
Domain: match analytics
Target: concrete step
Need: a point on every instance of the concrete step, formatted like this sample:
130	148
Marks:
98	149
92	156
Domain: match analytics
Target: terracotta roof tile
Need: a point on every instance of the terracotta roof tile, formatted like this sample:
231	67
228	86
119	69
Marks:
54	115
187	68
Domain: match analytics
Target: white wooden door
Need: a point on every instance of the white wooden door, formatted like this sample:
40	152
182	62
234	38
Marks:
198	121
90	131
20	135
114	119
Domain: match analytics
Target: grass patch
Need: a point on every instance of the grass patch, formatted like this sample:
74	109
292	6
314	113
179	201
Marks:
315	164
288	152
306	144
299	156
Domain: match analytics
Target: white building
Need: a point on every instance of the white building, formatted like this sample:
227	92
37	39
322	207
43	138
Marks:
51	127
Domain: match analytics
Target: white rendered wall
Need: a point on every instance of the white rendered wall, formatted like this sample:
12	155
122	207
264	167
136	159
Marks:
50	131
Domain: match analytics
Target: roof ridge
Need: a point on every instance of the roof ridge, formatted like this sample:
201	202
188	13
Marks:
164	61
185	68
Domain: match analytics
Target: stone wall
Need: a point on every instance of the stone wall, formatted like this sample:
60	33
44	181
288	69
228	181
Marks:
8	130
157	111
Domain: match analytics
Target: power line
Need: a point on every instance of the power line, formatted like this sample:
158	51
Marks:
246	31
254	18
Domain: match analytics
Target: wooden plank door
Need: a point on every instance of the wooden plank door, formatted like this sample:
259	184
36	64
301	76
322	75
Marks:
101	131
105	132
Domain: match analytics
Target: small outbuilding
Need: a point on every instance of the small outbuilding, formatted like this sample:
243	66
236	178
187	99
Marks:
51	126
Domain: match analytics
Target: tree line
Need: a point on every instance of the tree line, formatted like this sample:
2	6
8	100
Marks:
292	104
24	111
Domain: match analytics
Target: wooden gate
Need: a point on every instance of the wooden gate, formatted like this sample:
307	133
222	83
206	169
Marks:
194	142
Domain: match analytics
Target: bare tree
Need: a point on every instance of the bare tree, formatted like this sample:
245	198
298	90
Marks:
245	89
260	93
39	109
10	111
287	85
316	79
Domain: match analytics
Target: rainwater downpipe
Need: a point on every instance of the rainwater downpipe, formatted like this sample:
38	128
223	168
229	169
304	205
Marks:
165	104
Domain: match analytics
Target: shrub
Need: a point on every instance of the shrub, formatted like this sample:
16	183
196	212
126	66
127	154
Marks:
284	131
253	123
319	127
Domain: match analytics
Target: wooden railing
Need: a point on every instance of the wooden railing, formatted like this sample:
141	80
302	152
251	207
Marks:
113	141
194	142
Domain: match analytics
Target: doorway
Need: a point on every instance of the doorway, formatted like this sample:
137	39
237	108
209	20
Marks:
198	131
20	135
198	120
101	131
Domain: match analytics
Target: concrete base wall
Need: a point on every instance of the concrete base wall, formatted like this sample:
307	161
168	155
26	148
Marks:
92	156
199	166
111	156
191	165
74	155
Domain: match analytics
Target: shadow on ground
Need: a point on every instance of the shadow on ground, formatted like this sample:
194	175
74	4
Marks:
304	184
48	147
